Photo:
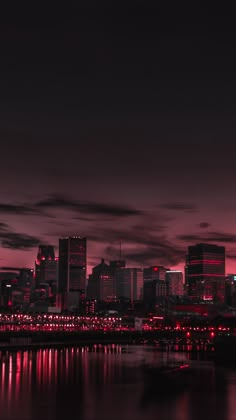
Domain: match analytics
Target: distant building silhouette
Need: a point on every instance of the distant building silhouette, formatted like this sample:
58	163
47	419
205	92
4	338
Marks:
155	286
110	282
16	287
230	290
26	285
174	280
129	283
155	272
46	269
102	282
205	272
72	271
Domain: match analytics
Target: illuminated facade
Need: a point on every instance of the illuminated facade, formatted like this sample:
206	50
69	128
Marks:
46	269
174	280
72	271
230	290
205	272
26	284
156	272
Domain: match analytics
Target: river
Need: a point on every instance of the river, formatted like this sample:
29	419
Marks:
107	383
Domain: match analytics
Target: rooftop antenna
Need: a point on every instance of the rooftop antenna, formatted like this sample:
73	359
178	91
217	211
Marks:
120	250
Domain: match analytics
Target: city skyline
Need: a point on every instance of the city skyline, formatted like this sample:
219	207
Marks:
117	124
117	210
45	249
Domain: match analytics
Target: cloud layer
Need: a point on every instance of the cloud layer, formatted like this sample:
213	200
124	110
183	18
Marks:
94	208
146	237
15	240
216	237
180	206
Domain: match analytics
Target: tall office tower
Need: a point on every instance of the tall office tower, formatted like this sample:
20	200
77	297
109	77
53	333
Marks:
129	283
72	271
102	283
174	280
46	269
26	284
155	286
205	272
154	293
156	272
230	290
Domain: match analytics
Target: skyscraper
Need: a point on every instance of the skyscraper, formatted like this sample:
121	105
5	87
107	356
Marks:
102	282
129	283
205	272
156	272
174	280
46	269
72	270
230	290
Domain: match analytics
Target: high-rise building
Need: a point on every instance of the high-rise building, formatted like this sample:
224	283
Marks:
72	271
156	272
205	272
174	280
230	290
102	283
46	269
26	284
154	293
129	283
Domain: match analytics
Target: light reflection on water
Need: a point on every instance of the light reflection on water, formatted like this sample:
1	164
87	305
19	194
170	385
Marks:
106	382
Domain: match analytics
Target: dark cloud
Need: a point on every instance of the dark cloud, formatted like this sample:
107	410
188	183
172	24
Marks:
3	226
204	225
55	201
111	210
143	246
208	237
18	241
180	206
91	218
191	238
144	228
126	235
162	253
231	256
16	209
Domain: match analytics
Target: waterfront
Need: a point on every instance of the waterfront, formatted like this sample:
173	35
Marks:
106	381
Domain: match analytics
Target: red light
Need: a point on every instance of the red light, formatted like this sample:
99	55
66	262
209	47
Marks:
206	275
212	334
188	334
217	262
155	268
184	366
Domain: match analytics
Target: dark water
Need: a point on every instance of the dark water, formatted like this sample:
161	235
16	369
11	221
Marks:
107	383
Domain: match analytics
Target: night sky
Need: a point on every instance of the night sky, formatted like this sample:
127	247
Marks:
118	124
